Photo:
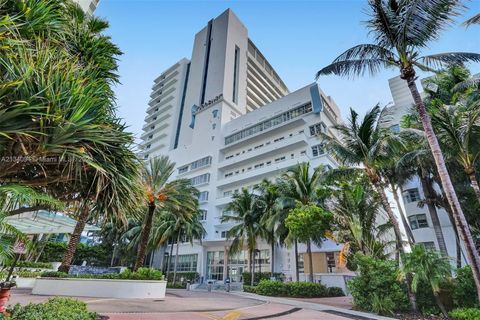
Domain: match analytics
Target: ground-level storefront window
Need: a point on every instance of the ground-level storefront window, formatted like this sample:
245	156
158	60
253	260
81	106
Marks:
215	265
185	263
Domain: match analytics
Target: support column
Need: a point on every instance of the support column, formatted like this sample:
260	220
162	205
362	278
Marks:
225	263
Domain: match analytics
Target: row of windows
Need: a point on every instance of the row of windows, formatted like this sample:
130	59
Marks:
411	195
261	145
318	128
418	221
273	122
318	150
185	262
204	162
201	179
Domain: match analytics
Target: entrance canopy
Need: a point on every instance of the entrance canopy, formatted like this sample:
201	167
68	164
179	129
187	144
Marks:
45	222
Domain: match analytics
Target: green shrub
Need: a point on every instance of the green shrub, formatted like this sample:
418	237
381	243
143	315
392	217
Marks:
465	314
377	277
249	289
21	274
260	276
465	292
31	264
305	289
382	305
335	292
271	288
53	309
178	285
140	274
96	255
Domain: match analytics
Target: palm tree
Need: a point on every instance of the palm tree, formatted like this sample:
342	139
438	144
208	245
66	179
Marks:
160	194
427	266
401	30
356	207
418	161
473	20
269	197
300	184
246	215
368	143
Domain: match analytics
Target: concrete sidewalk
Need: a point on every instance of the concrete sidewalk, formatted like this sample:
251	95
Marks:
313	306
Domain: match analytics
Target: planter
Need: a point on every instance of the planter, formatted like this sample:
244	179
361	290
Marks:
4	297
101	288
25	283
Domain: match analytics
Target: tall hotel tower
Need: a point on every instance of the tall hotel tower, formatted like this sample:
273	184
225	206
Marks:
228	121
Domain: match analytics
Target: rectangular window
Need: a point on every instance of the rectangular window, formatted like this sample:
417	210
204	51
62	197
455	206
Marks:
318	128
418	221
278	139
203	196
411	195
201	179
429	245
236	63
182	169
223	234
331	264
201	163
185	263
203	215
279	159
318	150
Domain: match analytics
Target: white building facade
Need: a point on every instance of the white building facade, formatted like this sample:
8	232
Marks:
88	6
228	121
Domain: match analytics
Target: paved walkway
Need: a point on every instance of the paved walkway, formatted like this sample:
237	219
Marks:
217	305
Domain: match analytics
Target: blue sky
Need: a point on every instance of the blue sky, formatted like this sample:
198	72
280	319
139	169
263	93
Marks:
297	37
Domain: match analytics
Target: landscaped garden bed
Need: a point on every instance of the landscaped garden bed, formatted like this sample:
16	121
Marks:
145	283
293	289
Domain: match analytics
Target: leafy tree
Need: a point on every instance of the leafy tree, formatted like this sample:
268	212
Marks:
309	223
401	29
429	266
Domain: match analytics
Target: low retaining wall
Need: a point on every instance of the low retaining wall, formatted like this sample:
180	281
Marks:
25	283
101	288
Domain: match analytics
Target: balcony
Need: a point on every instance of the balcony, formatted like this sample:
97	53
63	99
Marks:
261	172
288	142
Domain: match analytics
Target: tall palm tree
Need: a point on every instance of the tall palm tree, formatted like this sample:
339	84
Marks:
246	215
160	194
368	143
473	20
269	197
418	161
301	184
401	29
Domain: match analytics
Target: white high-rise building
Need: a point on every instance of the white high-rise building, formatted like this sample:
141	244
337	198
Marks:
418	217
228	121
88	6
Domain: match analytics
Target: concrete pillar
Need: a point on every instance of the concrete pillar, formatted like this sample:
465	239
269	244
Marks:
225	263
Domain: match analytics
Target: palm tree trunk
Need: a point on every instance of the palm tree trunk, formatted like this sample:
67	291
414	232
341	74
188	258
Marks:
458	247
440	304
310	260
250	263
176	261
474	182
169	259
428	191
142	247
75	237
297	274
252	280
460	221
272	259
391	216
411	238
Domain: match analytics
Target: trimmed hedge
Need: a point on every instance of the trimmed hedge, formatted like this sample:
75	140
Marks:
53	309
249	289
140	274
21	274
294	289
465	314
31	264
260	276
192	276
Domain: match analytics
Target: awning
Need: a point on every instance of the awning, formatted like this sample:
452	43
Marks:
46	222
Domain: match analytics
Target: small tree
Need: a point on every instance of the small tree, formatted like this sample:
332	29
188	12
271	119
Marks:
309	223
426	266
